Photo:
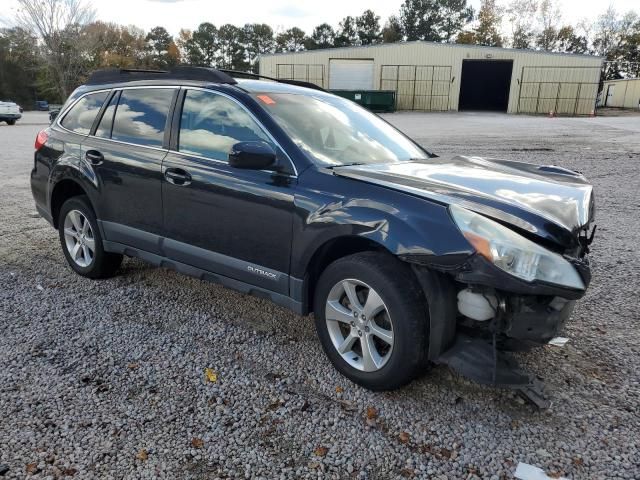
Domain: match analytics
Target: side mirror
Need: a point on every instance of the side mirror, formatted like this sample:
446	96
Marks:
252	155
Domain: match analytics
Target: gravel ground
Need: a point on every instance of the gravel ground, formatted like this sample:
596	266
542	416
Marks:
107	379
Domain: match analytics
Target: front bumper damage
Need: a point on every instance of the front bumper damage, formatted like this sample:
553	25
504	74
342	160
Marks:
525	315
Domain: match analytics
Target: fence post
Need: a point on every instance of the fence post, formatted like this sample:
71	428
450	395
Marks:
520	90
575	108
413	100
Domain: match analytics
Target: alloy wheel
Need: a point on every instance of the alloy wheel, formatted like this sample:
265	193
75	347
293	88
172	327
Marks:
79	238
359	325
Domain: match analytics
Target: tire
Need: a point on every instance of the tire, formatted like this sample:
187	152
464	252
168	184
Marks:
73	232
11	122
403	313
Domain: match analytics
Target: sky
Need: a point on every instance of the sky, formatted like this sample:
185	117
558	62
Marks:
280	14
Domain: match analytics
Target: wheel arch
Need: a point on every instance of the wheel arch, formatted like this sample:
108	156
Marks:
63	191
330	251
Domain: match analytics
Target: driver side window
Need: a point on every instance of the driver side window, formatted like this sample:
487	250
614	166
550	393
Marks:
211	124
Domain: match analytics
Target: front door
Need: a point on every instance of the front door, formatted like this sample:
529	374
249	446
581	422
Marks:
236	223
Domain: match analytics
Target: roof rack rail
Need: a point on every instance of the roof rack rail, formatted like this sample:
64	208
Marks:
116	75
299	83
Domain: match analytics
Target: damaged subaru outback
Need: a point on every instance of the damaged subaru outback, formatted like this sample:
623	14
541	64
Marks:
279	189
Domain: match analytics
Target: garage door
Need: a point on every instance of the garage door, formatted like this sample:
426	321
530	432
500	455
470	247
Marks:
351	74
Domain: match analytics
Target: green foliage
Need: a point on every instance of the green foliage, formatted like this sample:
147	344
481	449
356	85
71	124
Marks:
487	30
323	36
231	48
159	49
434	20
368	28
392	31
20	63
258	40
292	40
347	33
48	58
201	49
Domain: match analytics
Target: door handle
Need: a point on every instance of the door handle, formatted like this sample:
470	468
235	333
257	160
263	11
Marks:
94	157
177	176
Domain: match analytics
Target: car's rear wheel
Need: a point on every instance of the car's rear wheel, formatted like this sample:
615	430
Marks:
371	317
81	241
11	122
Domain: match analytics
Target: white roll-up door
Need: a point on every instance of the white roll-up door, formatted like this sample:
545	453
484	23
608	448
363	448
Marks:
350	74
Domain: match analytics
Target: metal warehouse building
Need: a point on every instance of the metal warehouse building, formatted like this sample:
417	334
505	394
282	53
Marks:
623	93
437	77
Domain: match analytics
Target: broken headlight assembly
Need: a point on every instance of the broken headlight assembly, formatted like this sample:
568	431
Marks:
513	253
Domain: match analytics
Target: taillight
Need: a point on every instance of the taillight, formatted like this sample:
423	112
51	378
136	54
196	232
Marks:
41	139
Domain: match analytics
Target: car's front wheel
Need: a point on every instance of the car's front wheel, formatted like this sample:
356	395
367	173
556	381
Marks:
371	317
11	122
81	241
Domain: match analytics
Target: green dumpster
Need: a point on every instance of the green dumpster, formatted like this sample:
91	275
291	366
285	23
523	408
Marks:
374	100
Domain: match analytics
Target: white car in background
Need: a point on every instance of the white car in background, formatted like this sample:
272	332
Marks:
9	112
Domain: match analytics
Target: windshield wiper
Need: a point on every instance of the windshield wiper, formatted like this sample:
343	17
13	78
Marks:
353	164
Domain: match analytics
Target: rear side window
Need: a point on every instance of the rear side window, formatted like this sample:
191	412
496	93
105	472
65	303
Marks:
141	116
211	124
81	116
106	122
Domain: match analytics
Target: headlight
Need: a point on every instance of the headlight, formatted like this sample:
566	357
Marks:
512	252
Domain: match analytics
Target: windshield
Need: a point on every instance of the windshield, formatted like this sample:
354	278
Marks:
334	131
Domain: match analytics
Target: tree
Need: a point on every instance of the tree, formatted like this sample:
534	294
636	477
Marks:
548	18
259	40
368	28
347	35
617	38
231	48
567	40
487	31
392	31
173	55
466	38
20	63
58	24
434	20
184	37
420	20
103	40
202	48
158	44
323	36
292	40
112	45
455	15
521	15
629	49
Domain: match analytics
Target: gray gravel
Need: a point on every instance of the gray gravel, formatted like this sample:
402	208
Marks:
106	379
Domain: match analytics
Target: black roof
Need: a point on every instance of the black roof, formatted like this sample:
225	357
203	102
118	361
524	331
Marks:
118	75
197	74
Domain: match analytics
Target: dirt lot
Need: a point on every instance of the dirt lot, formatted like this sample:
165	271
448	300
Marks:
106	379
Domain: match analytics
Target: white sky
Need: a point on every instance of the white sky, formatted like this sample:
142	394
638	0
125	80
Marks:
280	14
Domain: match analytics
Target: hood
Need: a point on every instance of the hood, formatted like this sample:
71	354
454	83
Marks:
539	199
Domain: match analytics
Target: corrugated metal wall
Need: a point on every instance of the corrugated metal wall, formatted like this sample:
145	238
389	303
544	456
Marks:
568	81
626	93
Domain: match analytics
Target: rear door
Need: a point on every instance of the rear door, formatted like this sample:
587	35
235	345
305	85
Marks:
126	153
237	223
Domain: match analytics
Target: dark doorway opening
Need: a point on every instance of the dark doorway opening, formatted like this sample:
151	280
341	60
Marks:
485	85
